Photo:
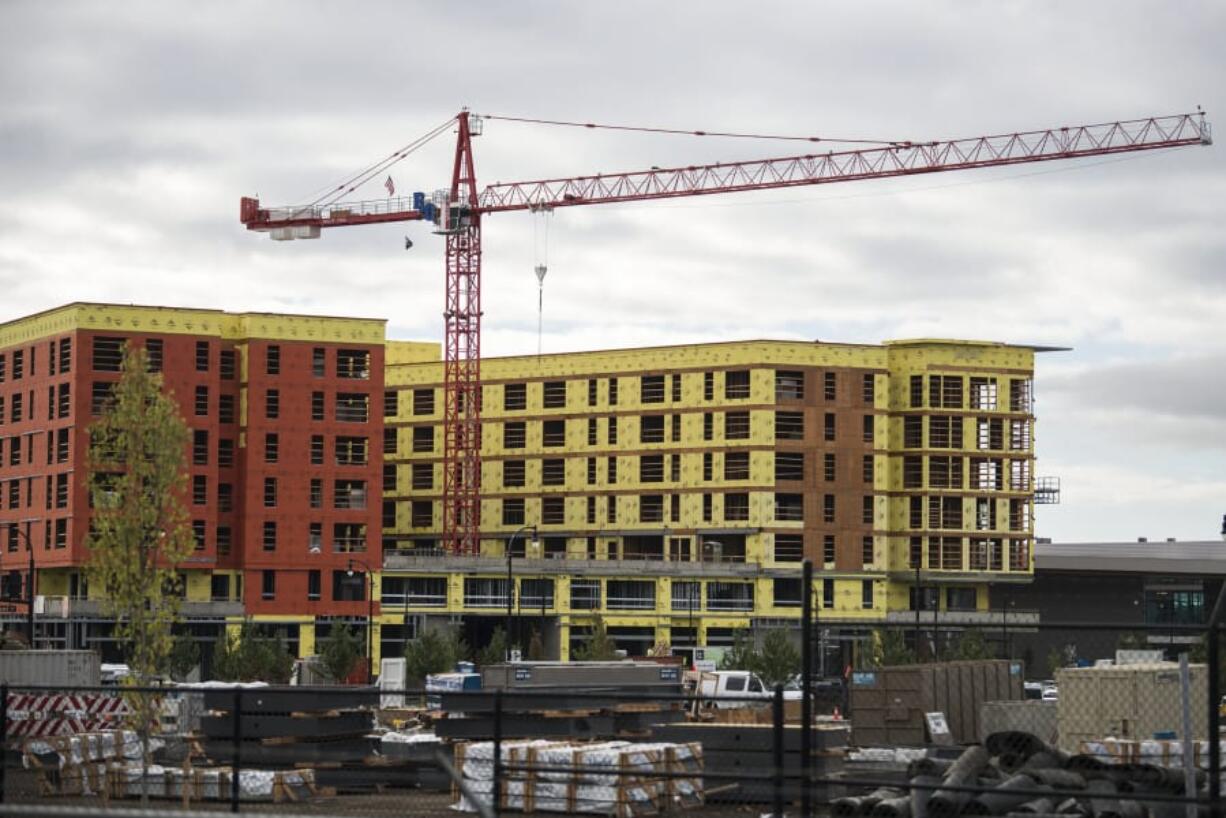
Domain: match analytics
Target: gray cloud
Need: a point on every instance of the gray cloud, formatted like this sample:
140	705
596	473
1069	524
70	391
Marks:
128	132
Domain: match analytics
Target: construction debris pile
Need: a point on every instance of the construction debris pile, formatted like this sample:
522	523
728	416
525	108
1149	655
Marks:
613	778
1016	773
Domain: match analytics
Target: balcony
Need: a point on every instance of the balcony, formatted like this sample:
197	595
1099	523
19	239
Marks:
440	561
1015	617
65	607
348	545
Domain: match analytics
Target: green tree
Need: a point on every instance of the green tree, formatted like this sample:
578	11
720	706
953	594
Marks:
1056	659
889	648
184	656
536	647
340	652
743	655
599	646
494	652
136	476
972	645
1199	654
139	532
251	655
435	650
778	660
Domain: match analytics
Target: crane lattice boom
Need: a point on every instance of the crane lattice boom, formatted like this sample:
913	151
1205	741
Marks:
846	166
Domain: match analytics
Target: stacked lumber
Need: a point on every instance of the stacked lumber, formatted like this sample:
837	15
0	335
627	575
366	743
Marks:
614	778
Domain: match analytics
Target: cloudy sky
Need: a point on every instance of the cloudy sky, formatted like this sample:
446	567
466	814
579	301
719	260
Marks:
129	130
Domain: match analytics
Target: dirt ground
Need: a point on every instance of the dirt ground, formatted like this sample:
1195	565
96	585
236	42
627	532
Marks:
21	787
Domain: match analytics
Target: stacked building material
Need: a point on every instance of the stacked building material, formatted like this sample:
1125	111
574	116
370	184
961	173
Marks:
614	778
596	713
1157	752
288	727
739	760
109	765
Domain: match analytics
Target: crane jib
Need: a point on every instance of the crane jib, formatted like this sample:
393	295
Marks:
457	213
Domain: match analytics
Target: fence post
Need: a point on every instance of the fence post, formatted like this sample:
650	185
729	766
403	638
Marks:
236	761
4	738
497	799
806	692
778	788
1215	716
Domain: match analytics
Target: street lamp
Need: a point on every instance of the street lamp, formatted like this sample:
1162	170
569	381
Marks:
25	535
370	618
511	577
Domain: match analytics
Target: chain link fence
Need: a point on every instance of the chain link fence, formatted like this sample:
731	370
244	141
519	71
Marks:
925	720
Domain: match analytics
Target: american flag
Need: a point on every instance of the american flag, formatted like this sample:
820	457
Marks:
391	186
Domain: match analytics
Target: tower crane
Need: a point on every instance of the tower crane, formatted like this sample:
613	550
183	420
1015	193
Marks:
459	210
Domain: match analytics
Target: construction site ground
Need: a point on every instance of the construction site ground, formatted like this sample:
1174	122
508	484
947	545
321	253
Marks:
21	787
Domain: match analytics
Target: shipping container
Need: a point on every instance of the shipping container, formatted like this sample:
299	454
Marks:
887	704
1142	701
62	668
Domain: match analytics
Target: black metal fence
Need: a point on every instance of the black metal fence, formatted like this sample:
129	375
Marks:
931	720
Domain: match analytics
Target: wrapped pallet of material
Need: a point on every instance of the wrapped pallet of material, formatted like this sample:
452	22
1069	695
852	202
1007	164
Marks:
616	778
610	766
552	796
625	800
513	793
1158	752
684	760
551	757
475	759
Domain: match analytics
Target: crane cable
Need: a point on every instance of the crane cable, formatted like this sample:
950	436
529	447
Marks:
334	192
540	245
681	132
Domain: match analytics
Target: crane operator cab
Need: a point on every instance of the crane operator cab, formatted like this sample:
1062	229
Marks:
448	216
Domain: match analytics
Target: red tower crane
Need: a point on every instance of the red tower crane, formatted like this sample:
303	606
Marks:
459	213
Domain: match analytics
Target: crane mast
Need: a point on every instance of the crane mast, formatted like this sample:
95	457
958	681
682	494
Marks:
459	219
462	356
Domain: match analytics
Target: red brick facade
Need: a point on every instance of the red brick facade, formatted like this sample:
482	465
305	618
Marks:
283	463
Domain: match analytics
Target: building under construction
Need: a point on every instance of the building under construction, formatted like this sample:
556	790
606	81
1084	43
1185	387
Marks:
671	491
674	491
